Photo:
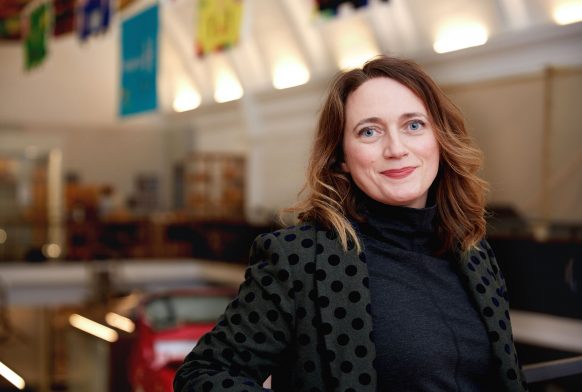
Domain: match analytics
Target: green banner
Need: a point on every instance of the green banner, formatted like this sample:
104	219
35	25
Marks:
35	36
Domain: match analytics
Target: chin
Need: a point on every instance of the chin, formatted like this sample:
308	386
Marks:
403	201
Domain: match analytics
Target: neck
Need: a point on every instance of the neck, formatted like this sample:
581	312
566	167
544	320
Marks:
405	227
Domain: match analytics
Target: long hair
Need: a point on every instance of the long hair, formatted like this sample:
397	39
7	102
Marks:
330	195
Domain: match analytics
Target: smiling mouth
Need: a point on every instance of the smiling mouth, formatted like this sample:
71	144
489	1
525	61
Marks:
399	173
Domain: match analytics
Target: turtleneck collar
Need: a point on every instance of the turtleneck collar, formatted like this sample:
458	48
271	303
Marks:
404	227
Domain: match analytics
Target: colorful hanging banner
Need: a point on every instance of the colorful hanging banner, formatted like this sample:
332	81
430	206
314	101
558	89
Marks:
123	4
218	25
329	8
36	24
64	11
139	63
10	28
93	17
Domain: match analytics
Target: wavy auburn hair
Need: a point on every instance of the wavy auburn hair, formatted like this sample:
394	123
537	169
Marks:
330	195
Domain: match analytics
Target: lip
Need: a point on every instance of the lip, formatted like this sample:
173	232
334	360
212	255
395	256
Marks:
399	173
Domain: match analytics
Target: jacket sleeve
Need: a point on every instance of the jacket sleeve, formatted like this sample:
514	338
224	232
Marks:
250	337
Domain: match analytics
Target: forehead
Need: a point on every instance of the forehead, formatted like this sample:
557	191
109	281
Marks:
382	97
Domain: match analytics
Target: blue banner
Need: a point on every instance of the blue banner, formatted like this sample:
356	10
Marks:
139	63
93	17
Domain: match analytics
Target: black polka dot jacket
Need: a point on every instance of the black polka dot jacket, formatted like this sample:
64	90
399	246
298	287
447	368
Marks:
303	316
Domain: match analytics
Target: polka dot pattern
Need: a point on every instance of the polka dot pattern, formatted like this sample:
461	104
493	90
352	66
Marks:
349	339
490	293
305	306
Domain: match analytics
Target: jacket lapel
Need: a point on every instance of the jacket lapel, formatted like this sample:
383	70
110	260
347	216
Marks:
343	298
487	289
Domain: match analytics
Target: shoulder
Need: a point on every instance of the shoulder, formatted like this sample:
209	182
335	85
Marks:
303	235
302	241
480	253
285	245
480	265
485	252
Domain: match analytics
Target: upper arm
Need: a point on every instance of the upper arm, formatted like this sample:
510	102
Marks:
250	337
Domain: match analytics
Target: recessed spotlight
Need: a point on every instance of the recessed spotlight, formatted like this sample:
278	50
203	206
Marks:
454	37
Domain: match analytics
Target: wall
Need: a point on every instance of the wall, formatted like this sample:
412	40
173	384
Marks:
505	118
528	128
274	129
69	88
281	143
116	157
102	156
565	147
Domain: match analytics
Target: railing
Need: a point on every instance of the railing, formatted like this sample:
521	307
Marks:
550	332
550	370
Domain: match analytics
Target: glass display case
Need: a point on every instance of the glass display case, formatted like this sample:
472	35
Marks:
30	205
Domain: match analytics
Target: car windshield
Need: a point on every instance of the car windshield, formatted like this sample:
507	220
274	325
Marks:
171	311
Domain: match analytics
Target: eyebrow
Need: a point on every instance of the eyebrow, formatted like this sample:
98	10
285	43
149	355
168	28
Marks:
373	120
412	115
378	120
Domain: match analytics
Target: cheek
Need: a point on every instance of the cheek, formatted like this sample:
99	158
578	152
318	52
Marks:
352	159
361	164
433	158
359	157
430	151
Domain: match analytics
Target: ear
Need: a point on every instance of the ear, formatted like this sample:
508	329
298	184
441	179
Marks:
345	167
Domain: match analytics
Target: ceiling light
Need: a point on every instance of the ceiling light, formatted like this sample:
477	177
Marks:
93	328
568	13
460	36
227	87
11	376
186	99
120	322
290	73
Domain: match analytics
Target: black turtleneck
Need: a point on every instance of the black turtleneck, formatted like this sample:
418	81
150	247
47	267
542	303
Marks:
428	334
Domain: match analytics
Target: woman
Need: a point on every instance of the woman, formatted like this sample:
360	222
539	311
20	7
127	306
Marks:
387	284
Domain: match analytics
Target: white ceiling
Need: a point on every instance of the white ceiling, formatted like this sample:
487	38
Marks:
273	29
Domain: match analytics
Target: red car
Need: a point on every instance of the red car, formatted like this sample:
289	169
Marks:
168	326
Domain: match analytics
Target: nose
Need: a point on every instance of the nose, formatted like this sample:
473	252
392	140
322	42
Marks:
394	148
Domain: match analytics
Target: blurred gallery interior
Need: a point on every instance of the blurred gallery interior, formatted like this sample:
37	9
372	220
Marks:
144	144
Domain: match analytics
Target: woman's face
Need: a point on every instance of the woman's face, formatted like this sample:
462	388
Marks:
389	145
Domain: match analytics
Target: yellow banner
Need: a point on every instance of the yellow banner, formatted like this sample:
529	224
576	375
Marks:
218	25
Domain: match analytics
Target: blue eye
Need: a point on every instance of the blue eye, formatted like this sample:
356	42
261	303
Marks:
415	125
367	132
